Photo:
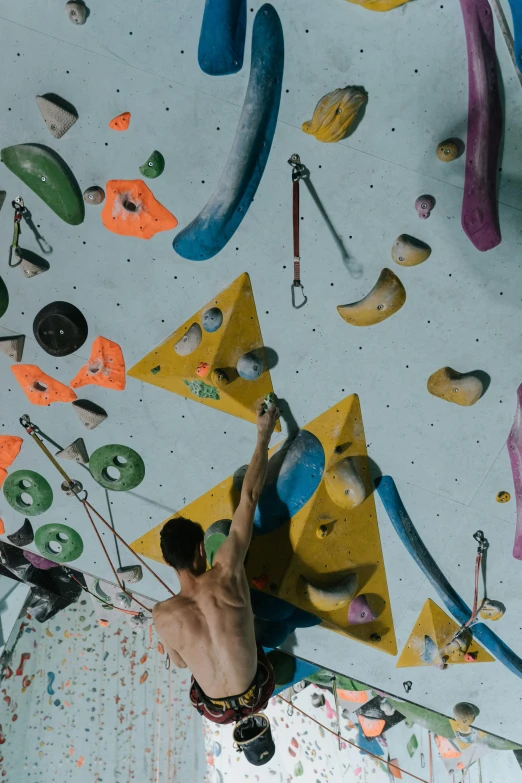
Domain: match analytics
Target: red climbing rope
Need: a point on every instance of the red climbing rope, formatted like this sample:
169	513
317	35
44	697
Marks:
354	744
482	546
297	172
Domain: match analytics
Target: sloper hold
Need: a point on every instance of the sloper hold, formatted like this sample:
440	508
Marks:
293	549
335	114
49	176
23	536
76	451
222	37
121	122
57	118
440	629
461	388
130	209
13	346
408	251
344	485
154	165
386	297
106	367
40	388
333	596
90	414
181	353
219	219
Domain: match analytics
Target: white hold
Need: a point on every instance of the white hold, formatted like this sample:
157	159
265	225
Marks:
190	341
344	485
250	366
13	347
89	414
77	452
122	601
330	598
57	119
76	11
130	574
30	269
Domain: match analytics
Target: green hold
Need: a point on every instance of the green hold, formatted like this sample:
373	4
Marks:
298	770
155	370
49	176
126	461
428	719
48	537
4	297
30	483
412	745
202	390
154	166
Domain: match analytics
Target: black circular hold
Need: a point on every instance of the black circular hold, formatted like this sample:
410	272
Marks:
60	328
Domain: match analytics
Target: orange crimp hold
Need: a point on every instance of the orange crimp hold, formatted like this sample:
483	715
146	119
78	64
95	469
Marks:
106	366
372	727
131	210
121	122
40	388
446	748
202	369
10	446
359	697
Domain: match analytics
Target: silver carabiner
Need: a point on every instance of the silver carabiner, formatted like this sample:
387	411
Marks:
298	284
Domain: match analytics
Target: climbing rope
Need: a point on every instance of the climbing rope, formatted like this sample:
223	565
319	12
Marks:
354	744
482	547
298	171
105	603
430	749
75	488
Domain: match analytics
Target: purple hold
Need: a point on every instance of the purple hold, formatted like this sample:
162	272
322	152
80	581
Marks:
359	611
38	561
424	205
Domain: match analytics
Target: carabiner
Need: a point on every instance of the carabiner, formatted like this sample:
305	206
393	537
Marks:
481	540
298	168
19	209
298	284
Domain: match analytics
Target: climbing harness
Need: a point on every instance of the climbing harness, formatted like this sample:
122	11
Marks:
74	488
298	172
354	744
19	210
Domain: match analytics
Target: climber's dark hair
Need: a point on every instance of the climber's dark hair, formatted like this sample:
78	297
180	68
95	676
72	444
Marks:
180	538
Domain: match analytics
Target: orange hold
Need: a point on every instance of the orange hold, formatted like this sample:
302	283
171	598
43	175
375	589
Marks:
40	388
372	727
2	526
446	748
131	210
10	446
3	476
121	122
394	768
161	648
143	677
202	369
260	581
359	697
104	624
106	366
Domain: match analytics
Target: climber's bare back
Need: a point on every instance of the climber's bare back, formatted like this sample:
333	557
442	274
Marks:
211	631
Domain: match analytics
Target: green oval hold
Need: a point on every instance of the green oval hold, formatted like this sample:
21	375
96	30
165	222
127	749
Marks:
214	537
4	297
49	176
33	484
117	467
59	543
154	166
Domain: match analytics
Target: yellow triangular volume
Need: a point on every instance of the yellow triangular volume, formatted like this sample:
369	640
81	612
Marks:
323	540
200	365
432	631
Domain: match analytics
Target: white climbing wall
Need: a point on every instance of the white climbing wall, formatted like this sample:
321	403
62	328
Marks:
462	308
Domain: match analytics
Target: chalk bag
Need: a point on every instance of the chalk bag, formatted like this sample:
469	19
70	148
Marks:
253	737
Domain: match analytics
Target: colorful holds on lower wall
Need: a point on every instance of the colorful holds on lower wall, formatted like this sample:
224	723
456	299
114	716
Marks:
221	348
408	251
44	171
106	367
59	543
154	166
131	209
60	328
40	388
219	219
121	122
386	297
117	467
461	388
28	492
335	114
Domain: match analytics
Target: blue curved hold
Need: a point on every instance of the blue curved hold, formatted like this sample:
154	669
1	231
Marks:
293	476
273	609
222	38
273	634
407	533
210	231
516	13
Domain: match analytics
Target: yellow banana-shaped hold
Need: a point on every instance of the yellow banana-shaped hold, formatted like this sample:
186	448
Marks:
326	599
335	113
379	5
386	297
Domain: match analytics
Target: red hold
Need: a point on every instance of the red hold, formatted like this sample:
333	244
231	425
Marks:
25	657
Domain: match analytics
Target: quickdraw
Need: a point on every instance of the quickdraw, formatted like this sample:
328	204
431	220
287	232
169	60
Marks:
74	488
298	172
19	211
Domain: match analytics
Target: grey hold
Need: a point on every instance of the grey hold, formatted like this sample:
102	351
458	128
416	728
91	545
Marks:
23	536
13	346
318	700
190	341
131	574
77	452
57	117
94	195
212	319
77	11
250	366
90	414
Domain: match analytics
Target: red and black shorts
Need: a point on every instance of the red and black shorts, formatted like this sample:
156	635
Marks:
233	708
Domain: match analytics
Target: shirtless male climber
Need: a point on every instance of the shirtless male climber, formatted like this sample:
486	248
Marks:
209	626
